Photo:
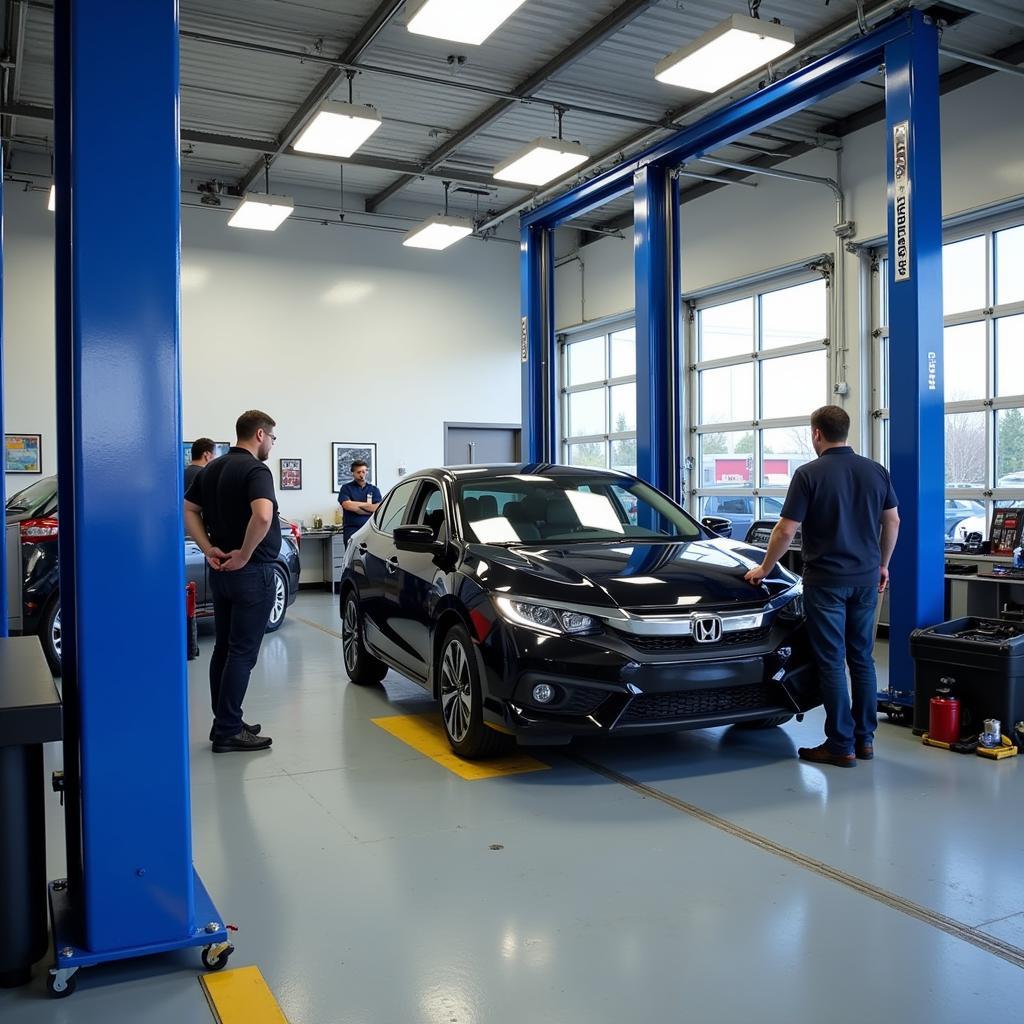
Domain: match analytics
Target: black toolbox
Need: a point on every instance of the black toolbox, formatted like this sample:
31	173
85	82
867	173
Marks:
981	661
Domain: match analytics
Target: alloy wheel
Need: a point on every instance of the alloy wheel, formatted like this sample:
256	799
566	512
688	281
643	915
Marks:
456	691
350	636
55	634
280	599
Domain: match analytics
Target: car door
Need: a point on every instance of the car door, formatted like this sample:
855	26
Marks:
418	582
379	559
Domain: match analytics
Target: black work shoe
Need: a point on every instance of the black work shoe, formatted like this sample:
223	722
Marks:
820	755
865	751
243	740
254	729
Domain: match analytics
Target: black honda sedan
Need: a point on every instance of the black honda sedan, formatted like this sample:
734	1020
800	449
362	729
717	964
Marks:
546	602
34	511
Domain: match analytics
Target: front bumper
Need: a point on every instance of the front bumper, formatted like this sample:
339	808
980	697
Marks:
604	684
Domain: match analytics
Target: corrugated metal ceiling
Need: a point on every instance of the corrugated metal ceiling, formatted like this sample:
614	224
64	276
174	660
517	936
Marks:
250	95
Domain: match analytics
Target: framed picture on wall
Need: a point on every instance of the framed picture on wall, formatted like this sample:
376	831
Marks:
23	453
344	453
291	474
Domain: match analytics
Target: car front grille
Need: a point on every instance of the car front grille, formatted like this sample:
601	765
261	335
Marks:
582	702
665	644
658	707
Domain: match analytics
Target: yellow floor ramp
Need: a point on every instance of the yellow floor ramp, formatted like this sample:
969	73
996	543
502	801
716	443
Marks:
425	733
241	996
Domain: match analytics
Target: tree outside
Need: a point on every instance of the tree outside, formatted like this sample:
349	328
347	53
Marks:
1009	446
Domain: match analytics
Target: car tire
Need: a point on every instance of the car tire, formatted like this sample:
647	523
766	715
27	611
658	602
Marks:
765	723
280	606
50	634
361	666
462	700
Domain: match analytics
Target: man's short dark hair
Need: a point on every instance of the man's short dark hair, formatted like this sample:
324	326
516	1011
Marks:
355	465
833	422
200	446
249	422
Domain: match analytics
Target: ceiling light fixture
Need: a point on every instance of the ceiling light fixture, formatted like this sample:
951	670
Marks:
461	21
263	212
736	47
543	160
338	129
439	232
51	203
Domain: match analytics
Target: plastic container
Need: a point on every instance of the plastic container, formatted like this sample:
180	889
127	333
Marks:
944	719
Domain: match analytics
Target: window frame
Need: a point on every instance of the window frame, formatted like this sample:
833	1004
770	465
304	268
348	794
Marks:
989	495
755	287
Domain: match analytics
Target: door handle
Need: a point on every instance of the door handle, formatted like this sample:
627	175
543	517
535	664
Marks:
392	564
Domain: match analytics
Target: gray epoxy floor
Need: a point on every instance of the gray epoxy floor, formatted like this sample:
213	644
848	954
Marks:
364	885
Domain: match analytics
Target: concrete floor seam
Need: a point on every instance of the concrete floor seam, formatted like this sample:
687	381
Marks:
316	625
967	933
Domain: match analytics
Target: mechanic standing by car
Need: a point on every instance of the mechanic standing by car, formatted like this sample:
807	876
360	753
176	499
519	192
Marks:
358	500
231	513
842	500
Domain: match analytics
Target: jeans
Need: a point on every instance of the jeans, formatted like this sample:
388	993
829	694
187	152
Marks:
841	627
242	601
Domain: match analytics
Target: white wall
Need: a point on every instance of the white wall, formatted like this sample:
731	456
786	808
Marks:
341	334
736	232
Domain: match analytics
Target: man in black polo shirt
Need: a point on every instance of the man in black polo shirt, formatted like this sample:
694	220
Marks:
358	499
842	501
231	513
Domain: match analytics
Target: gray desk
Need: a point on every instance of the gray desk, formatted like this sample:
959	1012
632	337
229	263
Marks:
30	715
328	556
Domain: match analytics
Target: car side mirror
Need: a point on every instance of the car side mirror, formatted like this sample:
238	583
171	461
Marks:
716	524
416	538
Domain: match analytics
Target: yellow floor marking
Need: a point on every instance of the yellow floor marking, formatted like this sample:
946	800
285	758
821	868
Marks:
241	996
426	734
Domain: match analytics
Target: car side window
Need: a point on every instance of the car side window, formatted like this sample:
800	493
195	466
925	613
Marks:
398	502
431	509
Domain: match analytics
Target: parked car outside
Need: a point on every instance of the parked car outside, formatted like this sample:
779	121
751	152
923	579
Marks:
35	510
546	602
960	509
740	510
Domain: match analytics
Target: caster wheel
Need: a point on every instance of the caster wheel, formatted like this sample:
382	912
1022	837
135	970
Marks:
217	961
59	989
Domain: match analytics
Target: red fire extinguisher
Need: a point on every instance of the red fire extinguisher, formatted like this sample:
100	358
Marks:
944	715
191	625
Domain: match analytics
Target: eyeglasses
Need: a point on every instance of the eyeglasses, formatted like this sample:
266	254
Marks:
273	437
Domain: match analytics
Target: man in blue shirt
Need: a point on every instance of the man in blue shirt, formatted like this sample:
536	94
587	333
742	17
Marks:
358	499
847	509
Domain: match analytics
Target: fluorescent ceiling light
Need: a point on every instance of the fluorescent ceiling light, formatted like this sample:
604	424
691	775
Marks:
438	232
542	161
462	21
338	129
727	52
51	203
262	212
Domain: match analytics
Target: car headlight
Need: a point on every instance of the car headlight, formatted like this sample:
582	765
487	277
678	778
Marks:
544	619
794	609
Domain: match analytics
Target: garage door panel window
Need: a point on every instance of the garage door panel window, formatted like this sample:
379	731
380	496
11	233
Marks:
726	330
793	386
1010	265
587	412
963	364
1010	448
964	275
727	459
1010	353
785	448
589	454
623	353
965	449
586	362
794	316
727	394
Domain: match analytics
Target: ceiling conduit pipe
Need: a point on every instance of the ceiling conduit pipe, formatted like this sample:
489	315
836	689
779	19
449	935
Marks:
821	44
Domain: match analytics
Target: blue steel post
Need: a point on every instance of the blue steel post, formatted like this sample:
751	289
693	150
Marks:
916	443
537	344
658	310
131	888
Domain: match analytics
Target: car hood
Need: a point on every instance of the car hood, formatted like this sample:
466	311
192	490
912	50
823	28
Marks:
701	574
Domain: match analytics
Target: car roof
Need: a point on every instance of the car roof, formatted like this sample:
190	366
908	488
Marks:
496	470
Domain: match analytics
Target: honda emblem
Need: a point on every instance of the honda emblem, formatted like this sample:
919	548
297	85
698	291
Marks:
707	629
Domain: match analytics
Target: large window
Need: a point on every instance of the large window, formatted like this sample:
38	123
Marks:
598	383
759	367
983	371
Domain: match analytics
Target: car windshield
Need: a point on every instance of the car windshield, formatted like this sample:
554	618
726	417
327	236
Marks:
537	509
34	496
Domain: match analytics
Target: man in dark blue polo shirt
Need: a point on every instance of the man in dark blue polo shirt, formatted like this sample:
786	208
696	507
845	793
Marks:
847	509
358	499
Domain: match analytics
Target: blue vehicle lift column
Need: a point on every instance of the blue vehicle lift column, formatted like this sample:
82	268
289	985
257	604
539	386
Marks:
658	311
131	888
537	344
916	424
